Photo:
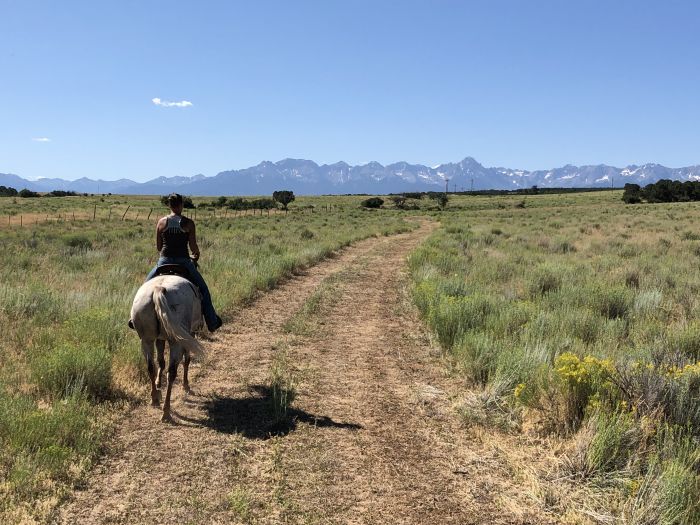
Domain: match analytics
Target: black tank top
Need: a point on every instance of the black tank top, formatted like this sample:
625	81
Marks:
175	238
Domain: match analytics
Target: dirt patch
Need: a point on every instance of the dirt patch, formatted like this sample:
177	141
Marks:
372	436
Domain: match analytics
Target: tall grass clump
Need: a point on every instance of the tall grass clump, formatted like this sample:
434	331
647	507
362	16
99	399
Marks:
69	369
282	387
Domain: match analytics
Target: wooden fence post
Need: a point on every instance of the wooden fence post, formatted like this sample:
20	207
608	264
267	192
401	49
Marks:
127	210
149	214
109	217
94	213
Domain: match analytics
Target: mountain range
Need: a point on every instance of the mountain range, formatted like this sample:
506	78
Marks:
305	177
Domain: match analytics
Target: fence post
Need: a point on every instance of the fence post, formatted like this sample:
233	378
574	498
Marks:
94	213
109	217
127	210
149	214
73	216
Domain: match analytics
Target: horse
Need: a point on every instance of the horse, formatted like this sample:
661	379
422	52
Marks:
167	308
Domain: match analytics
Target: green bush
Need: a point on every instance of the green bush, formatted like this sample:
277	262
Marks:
78	242
545	279
68	369
373	202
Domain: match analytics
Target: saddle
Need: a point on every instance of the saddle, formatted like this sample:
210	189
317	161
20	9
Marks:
173	269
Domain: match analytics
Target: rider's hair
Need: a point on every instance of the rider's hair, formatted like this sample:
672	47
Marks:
174	199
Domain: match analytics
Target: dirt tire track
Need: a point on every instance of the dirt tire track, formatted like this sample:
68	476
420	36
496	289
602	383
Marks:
374	436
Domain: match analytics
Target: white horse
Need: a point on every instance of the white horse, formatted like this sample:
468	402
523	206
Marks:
167	308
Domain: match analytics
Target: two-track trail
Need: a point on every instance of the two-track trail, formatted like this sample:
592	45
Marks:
373	435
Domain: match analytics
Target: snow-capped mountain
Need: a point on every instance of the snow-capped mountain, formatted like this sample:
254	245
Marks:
307	177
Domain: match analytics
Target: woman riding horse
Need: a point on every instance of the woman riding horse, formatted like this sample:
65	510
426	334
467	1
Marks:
174	233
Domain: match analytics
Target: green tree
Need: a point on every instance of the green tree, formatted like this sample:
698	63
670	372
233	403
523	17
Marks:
632	194
440	197
27	193
284	197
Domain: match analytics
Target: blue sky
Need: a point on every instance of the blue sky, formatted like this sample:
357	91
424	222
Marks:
523	84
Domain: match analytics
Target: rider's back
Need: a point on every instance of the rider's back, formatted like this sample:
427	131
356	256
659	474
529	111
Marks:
175	238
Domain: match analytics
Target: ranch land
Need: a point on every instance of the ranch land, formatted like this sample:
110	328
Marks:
525	359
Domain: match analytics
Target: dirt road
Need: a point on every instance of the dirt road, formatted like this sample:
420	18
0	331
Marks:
373	434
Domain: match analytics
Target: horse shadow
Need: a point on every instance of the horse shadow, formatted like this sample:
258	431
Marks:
254	417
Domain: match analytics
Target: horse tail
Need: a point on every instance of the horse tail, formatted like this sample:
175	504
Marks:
173	329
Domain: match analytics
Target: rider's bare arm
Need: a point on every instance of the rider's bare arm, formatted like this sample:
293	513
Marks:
159	237
192	240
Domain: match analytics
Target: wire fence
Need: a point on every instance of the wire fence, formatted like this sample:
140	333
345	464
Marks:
129	213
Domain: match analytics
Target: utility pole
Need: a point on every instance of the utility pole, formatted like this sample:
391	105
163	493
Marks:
446	188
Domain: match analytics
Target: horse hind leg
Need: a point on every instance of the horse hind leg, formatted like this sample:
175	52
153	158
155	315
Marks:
147	349
175	356
160	346
185	375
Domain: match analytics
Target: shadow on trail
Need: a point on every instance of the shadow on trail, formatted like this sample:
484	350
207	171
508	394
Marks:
253	416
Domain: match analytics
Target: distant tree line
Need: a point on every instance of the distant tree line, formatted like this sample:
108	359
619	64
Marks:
283	197
6	191
664	190
533	190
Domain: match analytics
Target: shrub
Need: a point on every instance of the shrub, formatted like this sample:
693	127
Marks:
306	234
563	393
373	202
477	355
612	302
452	317
441	198
77	242
544	280
71	369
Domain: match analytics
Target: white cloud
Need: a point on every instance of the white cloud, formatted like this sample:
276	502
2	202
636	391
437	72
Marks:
41	139
167	104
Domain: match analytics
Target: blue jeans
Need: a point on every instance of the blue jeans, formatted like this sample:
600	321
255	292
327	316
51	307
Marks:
207	306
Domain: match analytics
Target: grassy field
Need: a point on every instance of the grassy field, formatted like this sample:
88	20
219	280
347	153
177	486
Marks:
577	317
68	363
